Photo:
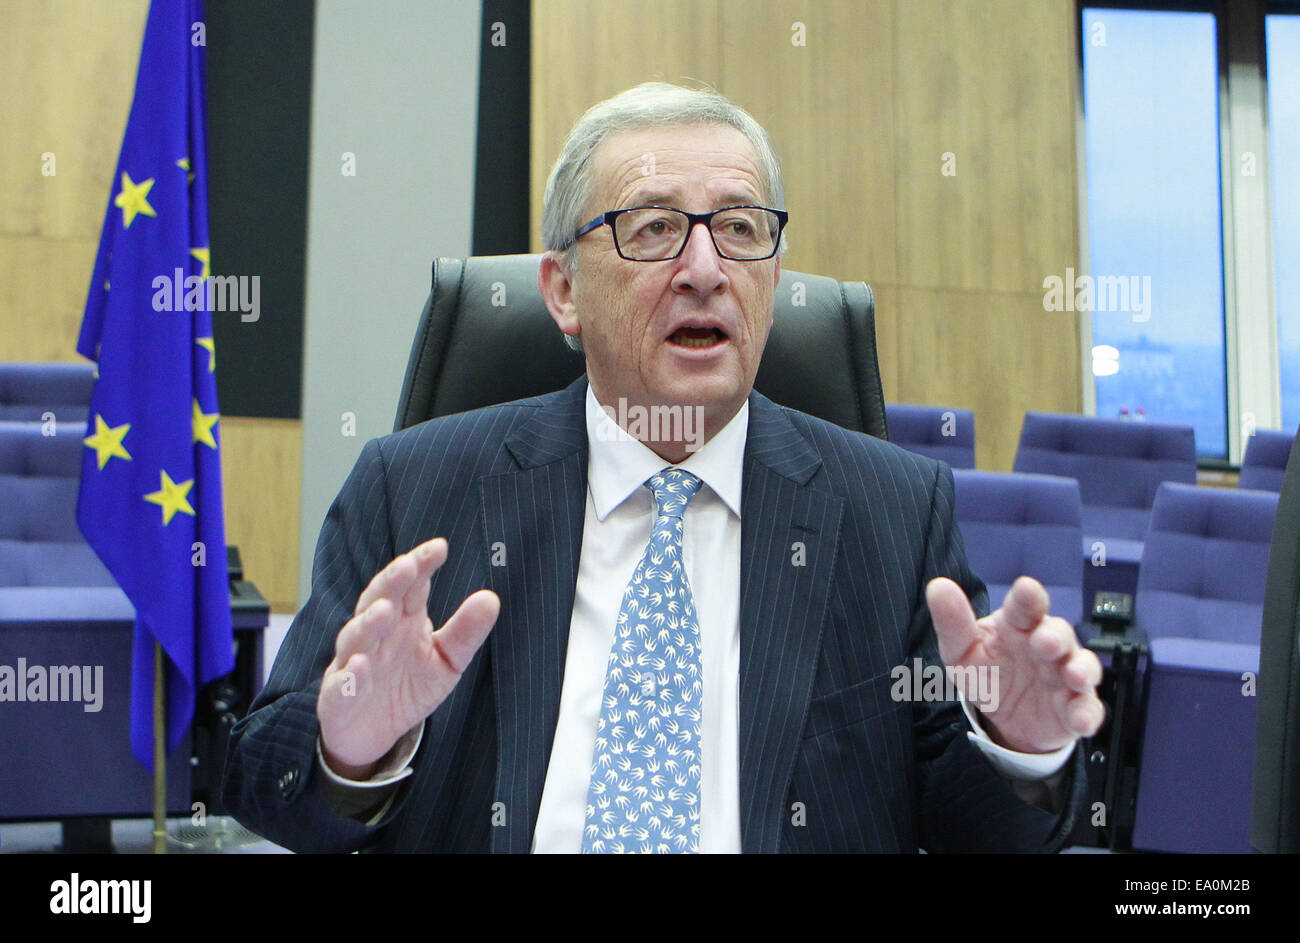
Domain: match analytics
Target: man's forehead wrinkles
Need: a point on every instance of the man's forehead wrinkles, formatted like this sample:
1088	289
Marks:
726	184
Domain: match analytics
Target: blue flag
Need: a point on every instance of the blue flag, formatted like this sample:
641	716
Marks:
150	501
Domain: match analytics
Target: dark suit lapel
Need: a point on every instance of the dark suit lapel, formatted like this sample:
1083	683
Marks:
789	540
533	516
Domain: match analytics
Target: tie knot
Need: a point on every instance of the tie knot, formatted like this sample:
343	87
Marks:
673	489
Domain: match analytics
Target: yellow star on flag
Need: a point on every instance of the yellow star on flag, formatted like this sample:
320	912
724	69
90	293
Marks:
184	164
107	441
171	498
133	199
203	423
210	346
202	255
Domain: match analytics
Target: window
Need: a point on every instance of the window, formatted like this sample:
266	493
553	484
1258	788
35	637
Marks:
1282	38
1155	284
1191	214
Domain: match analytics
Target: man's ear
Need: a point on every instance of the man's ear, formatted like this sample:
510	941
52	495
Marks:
556	285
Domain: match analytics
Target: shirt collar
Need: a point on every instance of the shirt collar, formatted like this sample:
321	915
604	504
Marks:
619	464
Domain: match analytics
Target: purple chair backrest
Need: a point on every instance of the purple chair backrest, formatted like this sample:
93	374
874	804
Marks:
938	432
1205	564
1264	465
1028	525
30	391
40	542
1116	462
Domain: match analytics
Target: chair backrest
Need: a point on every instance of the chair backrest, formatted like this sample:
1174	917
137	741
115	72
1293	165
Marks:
485	337
1276	817
40	542
28	391
941	432
1016	524
1204	564
1264	465
1119	464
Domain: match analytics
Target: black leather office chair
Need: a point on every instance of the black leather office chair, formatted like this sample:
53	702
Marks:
485	337
1275	821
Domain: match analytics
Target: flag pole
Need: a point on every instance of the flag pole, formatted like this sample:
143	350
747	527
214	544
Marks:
159	755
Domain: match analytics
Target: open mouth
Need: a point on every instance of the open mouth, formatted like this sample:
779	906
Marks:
697	337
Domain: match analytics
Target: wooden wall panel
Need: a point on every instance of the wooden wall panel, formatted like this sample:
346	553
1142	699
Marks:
991	84
67	73
261	468
980	350
584	51
828	105
43	286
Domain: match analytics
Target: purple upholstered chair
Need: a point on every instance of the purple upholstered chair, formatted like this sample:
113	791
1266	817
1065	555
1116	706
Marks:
1264	465
60	608
1023	524
934	431
1200	600
1119	465
28	391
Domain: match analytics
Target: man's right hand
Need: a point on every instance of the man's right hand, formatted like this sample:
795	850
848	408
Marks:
390	669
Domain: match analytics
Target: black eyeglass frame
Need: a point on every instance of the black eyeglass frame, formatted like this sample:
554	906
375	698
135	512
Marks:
782	217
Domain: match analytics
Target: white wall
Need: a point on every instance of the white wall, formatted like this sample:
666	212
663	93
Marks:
395	82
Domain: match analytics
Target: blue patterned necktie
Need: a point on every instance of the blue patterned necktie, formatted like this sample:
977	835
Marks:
644	794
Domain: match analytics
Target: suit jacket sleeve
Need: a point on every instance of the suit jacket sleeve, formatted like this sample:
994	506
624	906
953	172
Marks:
963	803
272	783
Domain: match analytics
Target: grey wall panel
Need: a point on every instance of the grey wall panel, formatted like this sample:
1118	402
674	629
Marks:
396	86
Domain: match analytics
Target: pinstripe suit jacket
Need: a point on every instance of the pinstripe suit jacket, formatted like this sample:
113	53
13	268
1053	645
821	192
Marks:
828	760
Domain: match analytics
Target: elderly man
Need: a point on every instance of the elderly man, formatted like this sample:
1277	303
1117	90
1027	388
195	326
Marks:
718	641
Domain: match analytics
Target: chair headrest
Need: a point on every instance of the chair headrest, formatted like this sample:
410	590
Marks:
486	337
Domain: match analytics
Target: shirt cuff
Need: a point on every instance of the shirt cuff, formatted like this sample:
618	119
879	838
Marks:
393	768
1011	763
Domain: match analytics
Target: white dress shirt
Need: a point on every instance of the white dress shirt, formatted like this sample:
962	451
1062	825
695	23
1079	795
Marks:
619	518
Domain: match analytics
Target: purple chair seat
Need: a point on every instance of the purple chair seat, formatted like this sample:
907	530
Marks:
106	605
1195	654
1200	600
60	608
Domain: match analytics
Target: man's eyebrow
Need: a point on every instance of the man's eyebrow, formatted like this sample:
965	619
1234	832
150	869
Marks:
652	199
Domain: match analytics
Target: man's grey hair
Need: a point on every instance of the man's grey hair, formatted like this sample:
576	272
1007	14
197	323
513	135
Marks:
651	104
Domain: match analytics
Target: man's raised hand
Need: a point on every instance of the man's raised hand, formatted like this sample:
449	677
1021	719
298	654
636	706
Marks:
390	669
1046	682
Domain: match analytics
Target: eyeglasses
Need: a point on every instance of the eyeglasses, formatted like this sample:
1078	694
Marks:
659	233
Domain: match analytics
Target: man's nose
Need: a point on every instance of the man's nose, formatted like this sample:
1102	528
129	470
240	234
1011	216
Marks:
701	266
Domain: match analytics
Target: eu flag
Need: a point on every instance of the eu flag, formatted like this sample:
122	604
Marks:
150	501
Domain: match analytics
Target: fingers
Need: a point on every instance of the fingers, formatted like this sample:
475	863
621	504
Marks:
1084	714
399	590
363	634
953	618
1052	640
1083	671
1074	668
403	573
428	558
462	634
1026	604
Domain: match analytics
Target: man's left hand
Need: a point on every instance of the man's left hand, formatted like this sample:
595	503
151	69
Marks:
1046	683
